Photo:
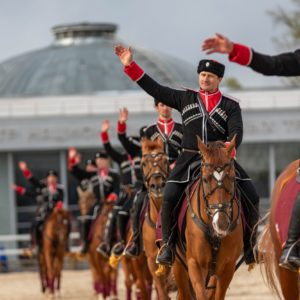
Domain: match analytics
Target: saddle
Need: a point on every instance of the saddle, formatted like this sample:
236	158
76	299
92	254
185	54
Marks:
284	206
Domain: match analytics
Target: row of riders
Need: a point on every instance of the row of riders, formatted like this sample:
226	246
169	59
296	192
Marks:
207	114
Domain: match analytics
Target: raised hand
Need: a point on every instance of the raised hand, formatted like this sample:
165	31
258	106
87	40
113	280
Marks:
217	44
73	156
22	165
124	54
123	115
105	126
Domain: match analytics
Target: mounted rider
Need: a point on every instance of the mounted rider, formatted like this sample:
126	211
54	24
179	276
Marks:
48	194
171	134
210	115
119	217
284	64
105	183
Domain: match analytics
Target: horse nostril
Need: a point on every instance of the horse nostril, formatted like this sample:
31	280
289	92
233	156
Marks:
152	186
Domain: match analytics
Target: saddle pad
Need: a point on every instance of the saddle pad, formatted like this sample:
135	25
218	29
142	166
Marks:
284	208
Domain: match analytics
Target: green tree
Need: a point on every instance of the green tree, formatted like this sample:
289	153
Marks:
289	37
232	83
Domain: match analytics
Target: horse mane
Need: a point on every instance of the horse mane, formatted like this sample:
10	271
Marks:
151	146
215	153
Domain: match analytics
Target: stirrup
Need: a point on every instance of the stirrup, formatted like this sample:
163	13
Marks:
165	245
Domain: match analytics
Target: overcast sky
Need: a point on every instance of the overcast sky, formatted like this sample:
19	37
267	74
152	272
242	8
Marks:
171	26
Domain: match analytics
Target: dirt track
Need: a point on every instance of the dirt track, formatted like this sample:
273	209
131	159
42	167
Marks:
77	285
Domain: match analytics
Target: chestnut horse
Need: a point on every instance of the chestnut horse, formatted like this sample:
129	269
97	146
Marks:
270	245
51	256
155	166
104	277
213	232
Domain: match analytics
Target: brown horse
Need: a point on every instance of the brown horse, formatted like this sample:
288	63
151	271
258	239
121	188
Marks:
136	272
55	236
104	277
213	232
270	245
156	169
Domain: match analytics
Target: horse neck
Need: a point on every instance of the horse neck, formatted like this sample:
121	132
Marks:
155	205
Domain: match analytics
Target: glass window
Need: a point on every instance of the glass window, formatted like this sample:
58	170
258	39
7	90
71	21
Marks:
254	158
285	153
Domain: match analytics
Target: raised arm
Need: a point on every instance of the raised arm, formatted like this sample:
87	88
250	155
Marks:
130	147
77	172
285	64
28	175
166	95
113	153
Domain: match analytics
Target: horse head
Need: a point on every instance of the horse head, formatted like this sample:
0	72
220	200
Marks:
155	166
86	200
218	185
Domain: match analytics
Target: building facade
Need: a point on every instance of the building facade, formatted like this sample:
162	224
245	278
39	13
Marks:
55	98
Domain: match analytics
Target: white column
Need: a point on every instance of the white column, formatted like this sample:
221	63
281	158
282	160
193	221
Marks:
11	194
63	174
272	168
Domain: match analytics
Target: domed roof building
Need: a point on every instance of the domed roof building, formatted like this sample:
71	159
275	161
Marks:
81	61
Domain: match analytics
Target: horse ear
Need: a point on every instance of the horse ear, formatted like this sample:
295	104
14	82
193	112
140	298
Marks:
202	147
231	146
79	191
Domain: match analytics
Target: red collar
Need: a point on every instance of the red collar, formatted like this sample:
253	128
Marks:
103	172
210	100
165	126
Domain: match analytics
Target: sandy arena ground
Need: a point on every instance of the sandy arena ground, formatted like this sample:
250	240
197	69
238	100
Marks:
76	285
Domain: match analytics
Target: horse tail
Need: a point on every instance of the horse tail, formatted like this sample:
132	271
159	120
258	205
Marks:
267	259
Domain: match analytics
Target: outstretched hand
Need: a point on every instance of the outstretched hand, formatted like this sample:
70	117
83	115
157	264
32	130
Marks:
22	165
123	115
105	126
217	44
124	54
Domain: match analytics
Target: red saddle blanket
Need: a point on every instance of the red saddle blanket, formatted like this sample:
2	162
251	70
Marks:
284	208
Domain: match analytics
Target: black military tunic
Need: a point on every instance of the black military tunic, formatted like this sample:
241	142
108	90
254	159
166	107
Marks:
45	196
126	164
226	116
102	186
285	64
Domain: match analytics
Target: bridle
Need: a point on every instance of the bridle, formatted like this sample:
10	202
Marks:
218	174
154	160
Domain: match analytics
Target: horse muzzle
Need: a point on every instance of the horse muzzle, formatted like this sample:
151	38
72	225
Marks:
221	224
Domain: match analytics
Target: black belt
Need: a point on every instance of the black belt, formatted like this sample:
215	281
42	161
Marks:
191	150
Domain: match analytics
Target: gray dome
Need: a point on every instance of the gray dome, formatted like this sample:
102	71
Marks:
82	62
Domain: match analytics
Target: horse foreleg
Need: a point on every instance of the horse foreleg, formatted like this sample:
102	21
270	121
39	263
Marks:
95	276
160	282
197	277
223	281
182	281
50	271
142	277
113	284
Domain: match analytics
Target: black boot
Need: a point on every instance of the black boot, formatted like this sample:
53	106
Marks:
250	236
122	221
166	253
290	255
135	248
85	230
109	233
